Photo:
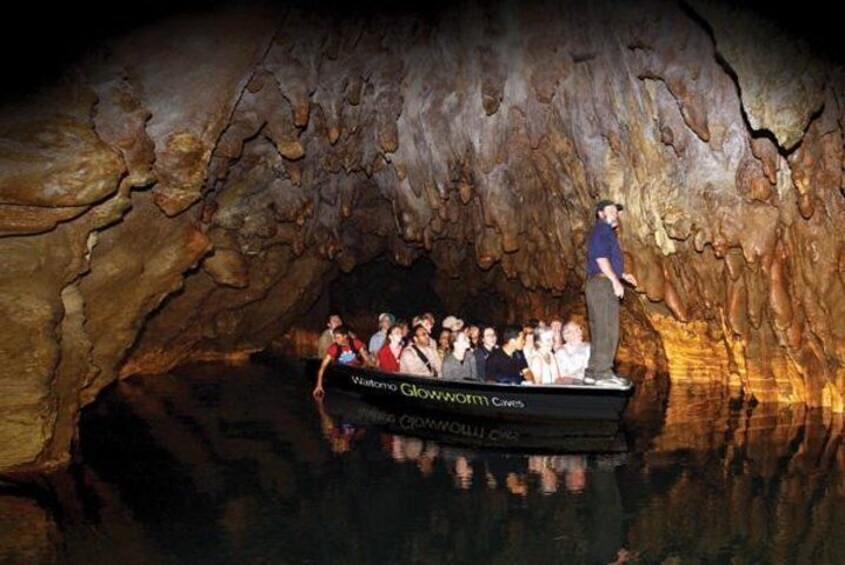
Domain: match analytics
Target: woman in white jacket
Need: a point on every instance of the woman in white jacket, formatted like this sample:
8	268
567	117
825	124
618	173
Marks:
573	356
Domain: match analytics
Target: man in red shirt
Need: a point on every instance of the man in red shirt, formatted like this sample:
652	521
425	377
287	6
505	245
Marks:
346	349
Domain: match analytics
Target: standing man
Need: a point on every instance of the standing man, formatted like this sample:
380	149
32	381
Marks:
604	290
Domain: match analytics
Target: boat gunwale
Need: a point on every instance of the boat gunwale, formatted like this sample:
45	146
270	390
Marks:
530	390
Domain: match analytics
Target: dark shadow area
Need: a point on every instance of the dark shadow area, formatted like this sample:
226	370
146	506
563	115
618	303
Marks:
382	286
47	40
217	463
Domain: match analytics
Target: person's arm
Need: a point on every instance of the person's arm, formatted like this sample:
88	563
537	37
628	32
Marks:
527	374
318	392
437	362
630	279
564	368
360	349
556	374
447	367
535	367
406	362
491	369
607	270
368	361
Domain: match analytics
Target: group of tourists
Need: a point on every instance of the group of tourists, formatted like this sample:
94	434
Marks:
534	353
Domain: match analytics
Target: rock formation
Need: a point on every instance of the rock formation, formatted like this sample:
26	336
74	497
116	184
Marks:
189	189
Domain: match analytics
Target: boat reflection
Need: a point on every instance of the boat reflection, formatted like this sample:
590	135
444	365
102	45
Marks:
518	457
567	436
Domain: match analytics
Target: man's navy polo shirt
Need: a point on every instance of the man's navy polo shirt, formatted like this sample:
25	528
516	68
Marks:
603	243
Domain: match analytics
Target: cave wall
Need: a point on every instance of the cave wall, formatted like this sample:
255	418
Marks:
189	189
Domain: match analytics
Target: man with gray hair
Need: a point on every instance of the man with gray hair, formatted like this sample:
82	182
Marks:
385	320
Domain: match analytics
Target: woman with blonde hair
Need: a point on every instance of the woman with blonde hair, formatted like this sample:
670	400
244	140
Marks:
573	357
543	363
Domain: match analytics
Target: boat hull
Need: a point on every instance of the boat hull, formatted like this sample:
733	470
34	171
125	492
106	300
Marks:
484	400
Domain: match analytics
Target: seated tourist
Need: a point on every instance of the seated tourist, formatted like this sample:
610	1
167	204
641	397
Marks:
327	338
346	350
419	357
557	327
573	356
528	331
474	333
388	355
385	320
406	331
542	363
444	343
507	365
428	320
459	363
482	353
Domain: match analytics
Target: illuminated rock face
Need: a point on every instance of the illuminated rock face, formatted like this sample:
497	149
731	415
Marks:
192	191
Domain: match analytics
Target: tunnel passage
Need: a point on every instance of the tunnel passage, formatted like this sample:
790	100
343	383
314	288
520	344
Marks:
383	286
189	189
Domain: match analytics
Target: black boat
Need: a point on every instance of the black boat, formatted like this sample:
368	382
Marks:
484	400
562	436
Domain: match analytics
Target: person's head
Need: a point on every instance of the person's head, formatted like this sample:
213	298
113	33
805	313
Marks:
405	329
385	320
528	331
421	335
544	339
513	337
489	337
428	321
474	334
576	475
333	321
395	334
460	343
444	340
608	212
572	333
341	334
453	323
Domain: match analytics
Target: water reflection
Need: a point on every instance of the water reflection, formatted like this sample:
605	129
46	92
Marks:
496	454
225	464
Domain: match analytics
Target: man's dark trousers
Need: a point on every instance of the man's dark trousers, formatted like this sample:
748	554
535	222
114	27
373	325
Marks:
603	311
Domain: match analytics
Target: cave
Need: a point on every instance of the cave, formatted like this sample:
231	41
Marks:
210	182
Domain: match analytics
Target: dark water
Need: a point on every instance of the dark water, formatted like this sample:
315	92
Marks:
235	464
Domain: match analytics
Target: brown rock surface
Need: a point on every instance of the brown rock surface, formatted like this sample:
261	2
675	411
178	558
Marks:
282	148
29	533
